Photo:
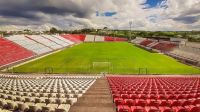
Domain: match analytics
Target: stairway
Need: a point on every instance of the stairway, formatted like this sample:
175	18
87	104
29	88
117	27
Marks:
96	99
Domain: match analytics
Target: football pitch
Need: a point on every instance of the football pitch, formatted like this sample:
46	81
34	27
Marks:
110	57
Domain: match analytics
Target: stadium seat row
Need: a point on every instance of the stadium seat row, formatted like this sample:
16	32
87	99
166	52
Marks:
190	108
162	46
11	52
91	38
19	47
155	94
188	52
46	93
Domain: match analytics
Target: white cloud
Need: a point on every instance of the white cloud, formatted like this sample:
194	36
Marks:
169	15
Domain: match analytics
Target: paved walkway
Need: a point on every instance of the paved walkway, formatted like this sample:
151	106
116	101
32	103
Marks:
96	99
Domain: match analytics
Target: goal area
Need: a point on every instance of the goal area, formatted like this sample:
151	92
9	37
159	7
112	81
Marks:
101	66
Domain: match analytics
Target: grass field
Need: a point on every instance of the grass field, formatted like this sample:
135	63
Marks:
117	58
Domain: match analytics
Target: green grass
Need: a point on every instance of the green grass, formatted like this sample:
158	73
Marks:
116	58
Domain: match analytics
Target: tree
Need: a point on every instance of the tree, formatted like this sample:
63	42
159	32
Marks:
53	30
105	28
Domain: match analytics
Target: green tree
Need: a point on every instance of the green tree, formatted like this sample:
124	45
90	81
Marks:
53	30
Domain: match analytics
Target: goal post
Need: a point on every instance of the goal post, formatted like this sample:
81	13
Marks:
101	66
143	71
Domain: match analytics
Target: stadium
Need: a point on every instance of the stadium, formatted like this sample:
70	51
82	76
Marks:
96	69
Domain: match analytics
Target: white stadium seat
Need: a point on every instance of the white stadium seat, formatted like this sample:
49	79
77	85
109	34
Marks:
57	40
29	44
99	38
89	38
42	93
63	39
45	41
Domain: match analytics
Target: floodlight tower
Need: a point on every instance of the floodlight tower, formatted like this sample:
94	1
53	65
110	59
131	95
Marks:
130	24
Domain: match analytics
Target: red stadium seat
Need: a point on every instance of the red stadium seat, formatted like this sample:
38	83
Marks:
172	97
116	96
142	103
11	52
158	94
125	96
165	103
188	102
123	108
155	103
119	101
152	109
166	109
144	96
77	38
177	103
180	109
164	46
134	96
108	38
182	96
138	109
197	101
195	109
163	97
146	42
130	102
153	97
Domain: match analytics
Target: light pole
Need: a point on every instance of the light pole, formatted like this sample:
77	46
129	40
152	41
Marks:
130	24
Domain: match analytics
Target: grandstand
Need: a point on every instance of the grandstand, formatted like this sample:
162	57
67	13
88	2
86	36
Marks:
29	44
11	52
59	93
109	38
155	94
77	38
100	88
99	56
36	44
186	52
80	37
71	37
146	42
56	40
67	41
89	38
45	41
185	56
120	39
46	94
138	40
99	39
161	46
192	44
164	46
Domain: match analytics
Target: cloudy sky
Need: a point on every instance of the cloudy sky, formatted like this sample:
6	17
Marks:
114	14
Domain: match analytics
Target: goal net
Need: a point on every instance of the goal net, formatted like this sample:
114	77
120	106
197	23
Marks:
101	66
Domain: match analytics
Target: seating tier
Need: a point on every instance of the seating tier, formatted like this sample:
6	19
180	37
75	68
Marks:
11	52
155	94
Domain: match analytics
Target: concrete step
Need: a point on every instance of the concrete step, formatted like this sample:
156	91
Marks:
96	99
